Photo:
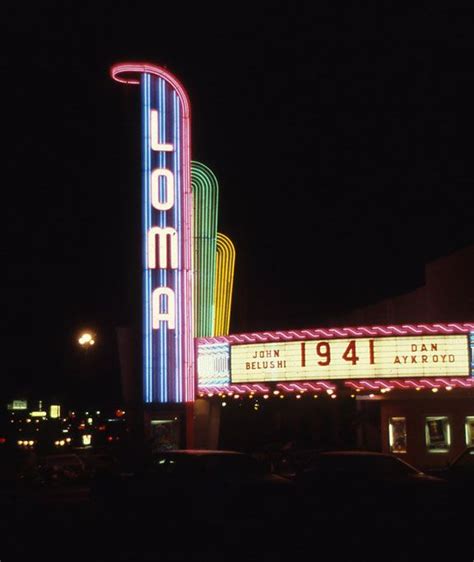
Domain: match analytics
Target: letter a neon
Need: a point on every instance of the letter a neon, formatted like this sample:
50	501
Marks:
159	315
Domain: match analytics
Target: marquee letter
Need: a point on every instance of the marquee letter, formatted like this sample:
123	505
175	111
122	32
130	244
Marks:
157	314
163	234
155	143
155	189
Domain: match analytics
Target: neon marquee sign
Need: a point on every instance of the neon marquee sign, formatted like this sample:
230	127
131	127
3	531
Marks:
318	356
168	351
357	358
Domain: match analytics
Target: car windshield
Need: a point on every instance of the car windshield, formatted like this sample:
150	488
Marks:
207	464
371	466
62	460
466	460
231	465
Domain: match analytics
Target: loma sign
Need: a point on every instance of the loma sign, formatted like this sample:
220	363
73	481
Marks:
168	352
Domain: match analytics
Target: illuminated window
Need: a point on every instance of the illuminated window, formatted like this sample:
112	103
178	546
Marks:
438	434
470	430
397	435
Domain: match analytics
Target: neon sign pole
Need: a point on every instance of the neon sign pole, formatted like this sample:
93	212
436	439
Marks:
167	330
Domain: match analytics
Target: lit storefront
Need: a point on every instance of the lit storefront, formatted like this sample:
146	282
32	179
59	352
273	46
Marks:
419	376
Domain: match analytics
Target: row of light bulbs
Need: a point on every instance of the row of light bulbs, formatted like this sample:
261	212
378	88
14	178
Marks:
276	393
330	392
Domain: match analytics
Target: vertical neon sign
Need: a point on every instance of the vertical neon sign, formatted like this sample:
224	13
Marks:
168	353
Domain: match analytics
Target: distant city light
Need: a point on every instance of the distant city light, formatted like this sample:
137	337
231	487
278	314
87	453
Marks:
55	411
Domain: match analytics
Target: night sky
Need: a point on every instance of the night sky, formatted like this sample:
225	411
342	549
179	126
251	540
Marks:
344	166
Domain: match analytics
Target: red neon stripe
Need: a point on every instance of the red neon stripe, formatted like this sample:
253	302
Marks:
405	329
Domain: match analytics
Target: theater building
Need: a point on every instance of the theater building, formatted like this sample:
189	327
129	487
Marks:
404	389
396	377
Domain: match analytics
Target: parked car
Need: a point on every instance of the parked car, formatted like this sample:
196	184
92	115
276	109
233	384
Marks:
211	484
363	486
61	469
96	462
290	462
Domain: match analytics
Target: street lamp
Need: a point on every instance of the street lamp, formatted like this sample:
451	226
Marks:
86	340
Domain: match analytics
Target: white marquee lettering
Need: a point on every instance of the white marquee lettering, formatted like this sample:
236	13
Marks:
155	189
154	130
163	235
160	315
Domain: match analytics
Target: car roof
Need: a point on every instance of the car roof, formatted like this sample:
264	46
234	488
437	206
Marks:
199	452
64	456
365	456
354	454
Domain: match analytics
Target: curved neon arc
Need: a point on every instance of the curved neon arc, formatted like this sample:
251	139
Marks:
119	69
224	284
205	202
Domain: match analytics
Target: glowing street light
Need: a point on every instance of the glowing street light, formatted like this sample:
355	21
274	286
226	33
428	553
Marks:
85	358
86	340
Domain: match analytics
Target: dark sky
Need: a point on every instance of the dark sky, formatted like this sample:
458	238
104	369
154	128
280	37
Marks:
344	165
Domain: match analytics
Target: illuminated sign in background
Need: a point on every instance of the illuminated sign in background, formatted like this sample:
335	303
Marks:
168	358
18	405
358	358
